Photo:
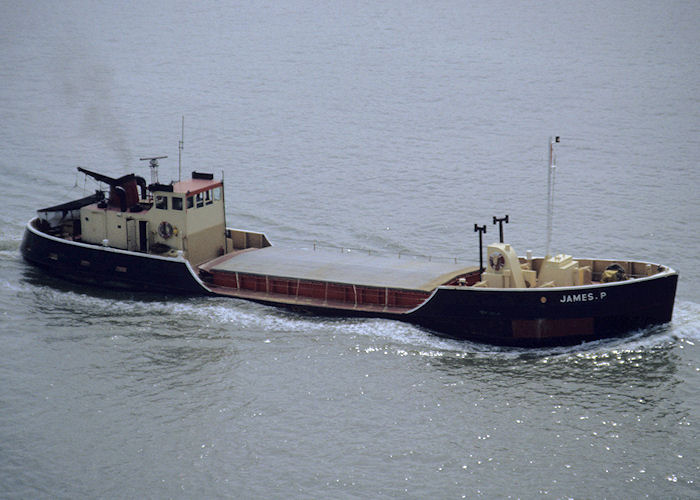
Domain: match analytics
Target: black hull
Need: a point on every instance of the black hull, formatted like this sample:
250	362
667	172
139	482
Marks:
109	267
549	316
516	317
527	318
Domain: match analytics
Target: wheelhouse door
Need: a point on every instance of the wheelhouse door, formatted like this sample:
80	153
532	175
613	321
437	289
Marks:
131	240
143	235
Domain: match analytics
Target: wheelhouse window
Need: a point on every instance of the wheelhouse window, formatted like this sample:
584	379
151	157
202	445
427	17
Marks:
217	193
161	202
190	201
200	200
207	197
177	203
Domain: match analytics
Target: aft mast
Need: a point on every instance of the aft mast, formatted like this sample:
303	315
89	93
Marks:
180	147
551	171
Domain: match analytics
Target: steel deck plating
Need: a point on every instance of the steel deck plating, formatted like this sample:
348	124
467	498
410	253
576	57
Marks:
346	267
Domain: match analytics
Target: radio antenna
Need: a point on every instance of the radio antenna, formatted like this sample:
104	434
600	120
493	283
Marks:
180	147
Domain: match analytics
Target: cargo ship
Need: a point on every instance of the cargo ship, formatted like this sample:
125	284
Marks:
173	239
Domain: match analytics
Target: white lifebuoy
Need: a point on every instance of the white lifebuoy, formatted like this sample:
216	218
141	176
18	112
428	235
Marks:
165	230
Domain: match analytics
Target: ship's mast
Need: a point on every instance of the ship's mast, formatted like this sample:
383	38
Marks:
180	147
481	230
551	171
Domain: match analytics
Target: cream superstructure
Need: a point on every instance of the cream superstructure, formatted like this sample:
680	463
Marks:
186	216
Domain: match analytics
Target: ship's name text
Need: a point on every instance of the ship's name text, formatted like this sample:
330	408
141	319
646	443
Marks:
582	297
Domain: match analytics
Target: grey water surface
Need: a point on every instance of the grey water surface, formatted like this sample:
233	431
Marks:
387	126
